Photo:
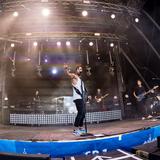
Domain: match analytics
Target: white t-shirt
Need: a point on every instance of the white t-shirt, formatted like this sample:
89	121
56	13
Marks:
78	86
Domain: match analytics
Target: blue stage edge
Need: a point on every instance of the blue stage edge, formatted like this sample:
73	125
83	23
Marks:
81	147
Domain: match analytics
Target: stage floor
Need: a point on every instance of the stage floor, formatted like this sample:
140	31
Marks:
58	133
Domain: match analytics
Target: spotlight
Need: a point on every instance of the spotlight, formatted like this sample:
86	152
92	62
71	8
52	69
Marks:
113	16
35	44
68	43
27	59
91	44
126	96
97	34
6	98
46	60
136	20
15	14
12	45
58	43
28	34
45	12
54	71
115	97
84	13
111	44
86	1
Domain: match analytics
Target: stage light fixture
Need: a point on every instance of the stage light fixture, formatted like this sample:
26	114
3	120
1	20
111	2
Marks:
68	43
12	45
115	97
86	1
84	13
28	34
111	44
97	34
35	44
126	96
91	44
58	43
15	14
6	98
113	16
54	71
46	60
136	20
27	59
45	12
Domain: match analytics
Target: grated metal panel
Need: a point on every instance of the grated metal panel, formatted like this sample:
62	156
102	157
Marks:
48	119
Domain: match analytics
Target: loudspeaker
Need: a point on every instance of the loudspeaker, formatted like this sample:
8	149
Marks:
158	141
10	156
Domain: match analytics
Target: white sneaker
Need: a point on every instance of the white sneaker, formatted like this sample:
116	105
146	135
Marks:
82	130
143	118
77	132
149	117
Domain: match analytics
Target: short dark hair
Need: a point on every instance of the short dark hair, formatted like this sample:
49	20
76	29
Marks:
78	66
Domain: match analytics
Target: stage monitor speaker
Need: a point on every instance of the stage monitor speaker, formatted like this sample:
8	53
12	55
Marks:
158	141
10	156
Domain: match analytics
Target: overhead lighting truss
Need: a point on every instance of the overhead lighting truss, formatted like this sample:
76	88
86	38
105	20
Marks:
133	6
67	35
70	21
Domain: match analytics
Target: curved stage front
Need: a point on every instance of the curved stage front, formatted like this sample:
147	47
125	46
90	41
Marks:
58	141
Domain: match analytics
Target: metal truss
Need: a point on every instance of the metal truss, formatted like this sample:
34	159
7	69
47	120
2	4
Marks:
69	16
9	40
66	35
132	6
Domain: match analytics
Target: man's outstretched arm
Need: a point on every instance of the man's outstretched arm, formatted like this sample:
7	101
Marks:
71	75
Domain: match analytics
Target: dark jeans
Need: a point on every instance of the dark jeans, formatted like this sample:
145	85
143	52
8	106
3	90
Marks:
141	108
81	113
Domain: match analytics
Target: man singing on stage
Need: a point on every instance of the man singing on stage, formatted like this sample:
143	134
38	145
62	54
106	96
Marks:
78	98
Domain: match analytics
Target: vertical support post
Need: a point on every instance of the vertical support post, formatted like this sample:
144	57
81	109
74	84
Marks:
4	108
120	81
